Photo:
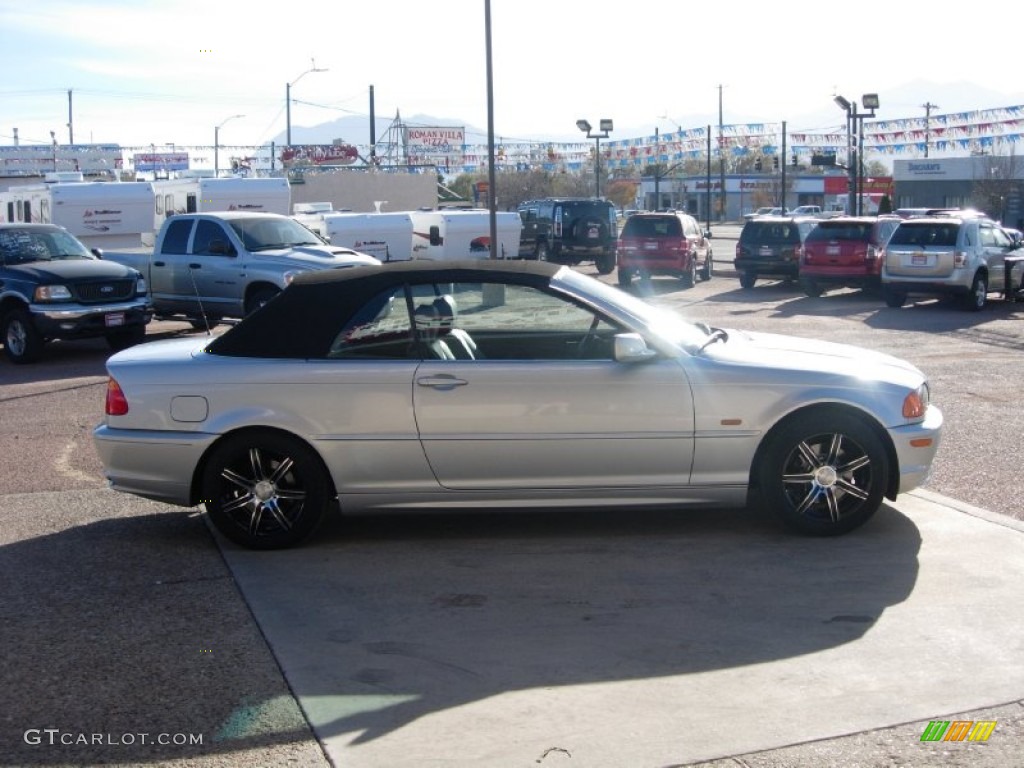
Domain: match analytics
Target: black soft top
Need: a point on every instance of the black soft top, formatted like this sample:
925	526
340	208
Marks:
303	320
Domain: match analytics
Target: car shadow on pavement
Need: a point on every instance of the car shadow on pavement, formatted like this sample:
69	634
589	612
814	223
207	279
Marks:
122	626
379	622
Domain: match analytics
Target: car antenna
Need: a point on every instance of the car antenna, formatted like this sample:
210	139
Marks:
195	290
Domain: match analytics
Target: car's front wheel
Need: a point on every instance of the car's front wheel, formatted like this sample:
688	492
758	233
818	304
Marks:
747	279
259	298
625	277
22	342
893	298
690	275
823	473
810	287
265	489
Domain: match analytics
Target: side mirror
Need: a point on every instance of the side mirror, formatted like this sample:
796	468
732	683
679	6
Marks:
631	348
97	252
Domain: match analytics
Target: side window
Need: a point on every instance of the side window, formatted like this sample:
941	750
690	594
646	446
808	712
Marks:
206	233
970	236
379	330
176	236
508	322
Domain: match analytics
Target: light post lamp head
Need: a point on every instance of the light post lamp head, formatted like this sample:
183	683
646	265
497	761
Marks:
870	101
583	125
843	103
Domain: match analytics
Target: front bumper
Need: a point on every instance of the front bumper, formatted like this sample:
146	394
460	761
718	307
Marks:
71	321
916	446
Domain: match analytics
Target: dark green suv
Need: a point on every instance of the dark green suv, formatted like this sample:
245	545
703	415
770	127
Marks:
569	230
770	246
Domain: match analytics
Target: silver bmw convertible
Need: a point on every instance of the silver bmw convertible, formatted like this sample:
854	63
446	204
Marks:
504	384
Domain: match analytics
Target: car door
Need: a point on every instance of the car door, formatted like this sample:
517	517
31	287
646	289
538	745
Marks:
217	269
996	245
536	410
170	285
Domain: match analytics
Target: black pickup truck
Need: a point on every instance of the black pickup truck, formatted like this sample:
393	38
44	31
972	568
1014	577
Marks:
53	287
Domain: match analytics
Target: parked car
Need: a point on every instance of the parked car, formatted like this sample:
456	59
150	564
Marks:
769	246
497	384
763	211
53	287
569	230
845	251
806	210
671	244
957	254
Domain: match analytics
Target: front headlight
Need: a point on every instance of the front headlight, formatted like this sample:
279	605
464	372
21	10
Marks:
45	293
141	289
289	276
916	403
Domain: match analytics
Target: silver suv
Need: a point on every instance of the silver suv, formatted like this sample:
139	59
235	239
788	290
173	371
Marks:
959	253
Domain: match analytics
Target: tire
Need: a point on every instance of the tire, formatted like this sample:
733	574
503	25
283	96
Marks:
127	337
259	298
690	275
605	263
265	490
625	277
811	288
747	279
823	473
975	300
22	341
708	270
542	253
894	299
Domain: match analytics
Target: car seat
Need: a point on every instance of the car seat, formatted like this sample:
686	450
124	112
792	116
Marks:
436	324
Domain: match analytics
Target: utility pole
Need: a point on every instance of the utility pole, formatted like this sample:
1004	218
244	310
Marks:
721	160
927	107
71	130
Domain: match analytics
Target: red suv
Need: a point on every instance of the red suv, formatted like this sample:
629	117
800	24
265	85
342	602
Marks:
664	244
845	251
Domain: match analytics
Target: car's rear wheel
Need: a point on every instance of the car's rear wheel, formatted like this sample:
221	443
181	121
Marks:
893	298
810	287
22	342
541	253
823	473
975	300
747	279
605	263
265	489
625	277
690	275
709	266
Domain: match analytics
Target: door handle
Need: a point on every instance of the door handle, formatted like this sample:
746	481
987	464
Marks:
441	381
158	263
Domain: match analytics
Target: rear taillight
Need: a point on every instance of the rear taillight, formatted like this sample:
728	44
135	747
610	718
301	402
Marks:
872	253
117	403
959	259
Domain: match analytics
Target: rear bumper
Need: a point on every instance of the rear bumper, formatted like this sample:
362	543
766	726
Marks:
782	267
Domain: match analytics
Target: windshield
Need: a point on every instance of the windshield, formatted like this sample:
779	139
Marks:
260	234
665	323
21	246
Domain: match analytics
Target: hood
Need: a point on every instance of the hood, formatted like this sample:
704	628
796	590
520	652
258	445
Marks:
315	256
795	353
61	270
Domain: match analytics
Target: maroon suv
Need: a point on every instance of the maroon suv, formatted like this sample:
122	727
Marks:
664	244
845	251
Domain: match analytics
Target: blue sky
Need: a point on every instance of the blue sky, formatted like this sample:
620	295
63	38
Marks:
143	72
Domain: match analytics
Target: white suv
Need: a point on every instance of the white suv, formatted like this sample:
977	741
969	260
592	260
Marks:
959	254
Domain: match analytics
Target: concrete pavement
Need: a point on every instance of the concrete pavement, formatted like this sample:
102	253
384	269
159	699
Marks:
640	640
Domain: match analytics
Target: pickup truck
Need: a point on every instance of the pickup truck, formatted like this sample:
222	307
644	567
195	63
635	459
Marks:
52	287
208	266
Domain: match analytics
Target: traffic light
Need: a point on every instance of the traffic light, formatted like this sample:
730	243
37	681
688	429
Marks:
757	164
794	161
775	162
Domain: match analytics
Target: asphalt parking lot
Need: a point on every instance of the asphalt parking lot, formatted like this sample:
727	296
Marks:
596	640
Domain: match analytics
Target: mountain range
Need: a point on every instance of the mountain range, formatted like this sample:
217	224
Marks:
806	113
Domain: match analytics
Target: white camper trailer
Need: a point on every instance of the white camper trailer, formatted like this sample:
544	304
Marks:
464	234
202	195
101	214
387	236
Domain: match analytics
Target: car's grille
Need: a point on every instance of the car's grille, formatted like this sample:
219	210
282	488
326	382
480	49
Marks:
100	292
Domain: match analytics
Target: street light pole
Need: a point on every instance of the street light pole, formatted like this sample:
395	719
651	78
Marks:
288	101
855	147
216	144
606	127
